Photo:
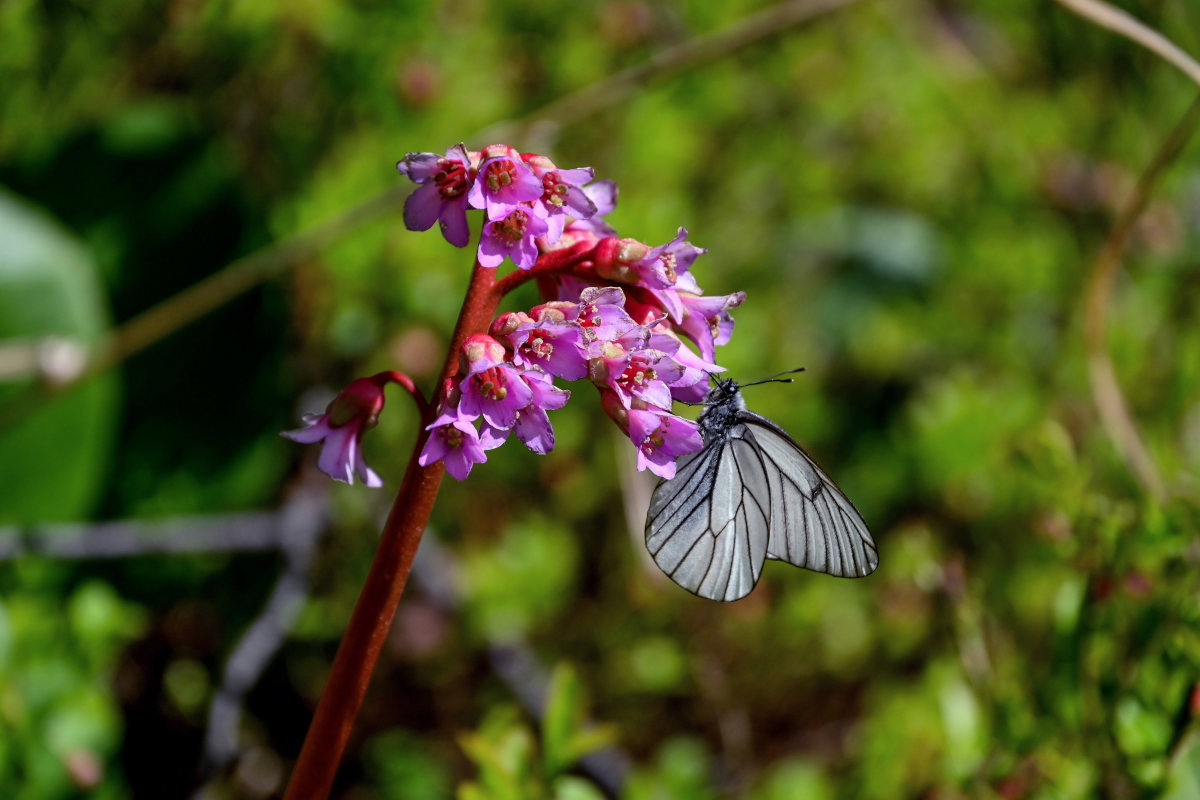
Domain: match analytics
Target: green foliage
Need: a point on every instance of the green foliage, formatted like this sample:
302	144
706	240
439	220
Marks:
56	711
505	752
52	465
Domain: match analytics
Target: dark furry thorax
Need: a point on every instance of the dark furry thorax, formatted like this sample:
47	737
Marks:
723	404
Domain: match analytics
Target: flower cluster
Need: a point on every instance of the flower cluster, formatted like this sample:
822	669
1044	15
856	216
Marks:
626	316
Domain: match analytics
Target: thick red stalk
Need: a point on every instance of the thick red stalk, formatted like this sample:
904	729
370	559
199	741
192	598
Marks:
372	616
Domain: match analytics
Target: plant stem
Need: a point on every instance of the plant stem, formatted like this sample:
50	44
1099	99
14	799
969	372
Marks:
372	615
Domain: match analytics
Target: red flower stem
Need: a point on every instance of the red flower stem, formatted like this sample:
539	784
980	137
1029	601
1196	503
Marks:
372	616
554	262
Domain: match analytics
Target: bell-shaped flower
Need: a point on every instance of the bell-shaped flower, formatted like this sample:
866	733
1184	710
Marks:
561	194
603	195
354	411
504	182
706	320
661	437
552	342
533	424
493	388
512	235
454	441
442	194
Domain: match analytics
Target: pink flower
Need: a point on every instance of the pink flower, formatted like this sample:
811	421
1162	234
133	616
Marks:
706	320
512	235
633	369
493	388
561	194
603	195
601	314
660	438
442	196
454	441
353	412
504	182
691	386
551	342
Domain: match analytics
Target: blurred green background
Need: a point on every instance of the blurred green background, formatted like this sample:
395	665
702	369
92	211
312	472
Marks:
911	194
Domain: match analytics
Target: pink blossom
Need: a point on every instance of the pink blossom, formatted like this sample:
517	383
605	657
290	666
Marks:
442	196
660	438
551	342
603	195
353	412
504	182
511	235
454	441
561	194
493	388
706	320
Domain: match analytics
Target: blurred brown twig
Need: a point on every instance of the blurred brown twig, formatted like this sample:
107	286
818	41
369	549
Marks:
1106	390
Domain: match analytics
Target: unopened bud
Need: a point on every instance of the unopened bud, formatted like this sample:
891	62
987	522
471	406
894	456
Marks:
508	322
614	409
554	311
497	150
539	163
482	348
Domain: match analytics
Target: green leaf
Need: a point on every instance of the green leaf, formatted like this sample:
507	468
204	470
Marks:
566	735
52	458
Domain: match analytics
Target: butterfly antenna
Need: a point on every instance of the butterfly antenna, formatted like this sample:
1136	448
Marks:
776	378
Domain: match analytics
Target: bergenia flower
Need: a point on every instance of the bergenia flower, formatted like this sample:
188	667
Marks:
442	196
706	320
661	267
493	388
603	195
353	412
512	235
660	438
550	342
601	314
692	385
454	441
504	182
635	371
561	194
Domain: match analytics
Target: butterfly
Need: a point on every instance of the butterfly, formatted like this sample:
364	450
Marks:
749	494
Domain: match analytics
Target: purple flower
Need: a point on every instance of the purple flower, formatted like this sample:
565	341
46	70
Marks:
706	320
603	195
353	412
660	438
512	235
692	385
552	343
561	195
601	314
632	369
442	196
495	389
454	441
504	182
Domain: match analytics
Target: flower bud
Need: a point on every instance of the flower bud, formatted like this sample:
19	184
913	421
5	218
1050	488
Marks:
508	322
481	351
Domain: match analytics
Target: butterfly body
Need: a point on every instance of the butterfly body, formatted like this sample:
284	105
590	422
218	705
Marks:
749	494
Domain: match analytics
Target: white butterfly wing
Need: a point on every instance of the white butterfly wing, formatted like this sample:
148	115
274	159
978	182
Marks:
813	525
707	527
